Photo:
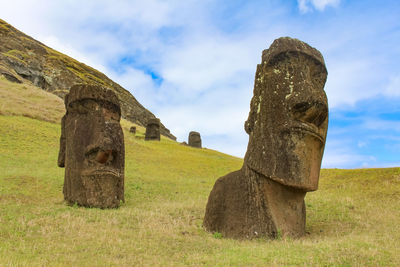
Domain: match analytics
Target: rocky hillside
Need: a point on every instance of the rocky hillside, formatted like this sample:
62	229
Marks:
25	60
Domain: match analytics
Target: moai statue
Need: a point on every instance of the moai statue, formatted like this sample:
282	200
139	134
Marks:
287	128
132	130
153	130
92	148
194	139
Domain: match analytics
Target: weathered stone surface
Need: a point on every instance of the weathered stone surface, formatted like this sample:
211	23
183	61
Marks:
92	148
132	130
9	74
194	139
287	128
23	59
153	130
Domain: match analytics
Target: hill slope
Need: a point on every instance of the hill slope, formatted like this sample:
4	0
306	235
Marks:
352	220
23	59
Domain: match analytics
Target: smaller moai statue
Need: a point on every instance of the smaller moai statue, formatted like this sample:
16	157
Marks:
153	130
194	139
92	147
132	130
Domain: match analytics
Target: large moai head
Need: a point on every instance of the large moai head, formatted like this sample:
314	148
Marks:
194	139
288	117
93	153
153	130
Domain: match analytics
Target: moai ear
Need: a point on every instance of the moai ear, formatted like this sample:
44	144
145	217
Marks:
61	152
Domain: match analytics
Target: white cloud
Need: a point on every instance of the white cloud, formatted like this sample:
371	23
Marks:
307	5
379	124
339	152
348	81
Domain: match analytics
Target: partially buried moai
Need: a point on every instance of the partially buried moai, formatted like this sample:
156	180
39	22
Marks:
287	128
153	130
132	130
92	148
194	139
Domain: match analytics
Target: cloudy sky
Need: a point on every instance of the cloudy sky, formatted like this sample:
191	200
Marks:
192	63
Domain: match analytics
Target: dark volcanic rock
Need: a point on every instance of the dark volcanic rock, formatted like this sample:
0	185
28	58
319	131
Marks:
287	126
23	59
132	130
194	139
153	130
92	148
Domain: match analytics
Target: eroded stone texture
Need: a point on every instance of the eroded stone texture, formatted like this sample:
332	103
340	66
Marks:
132	130
194	139
92	148
287	128
153	130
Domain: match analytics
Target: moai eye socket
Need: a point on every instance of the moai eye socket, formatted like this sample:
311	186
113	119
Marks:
314	112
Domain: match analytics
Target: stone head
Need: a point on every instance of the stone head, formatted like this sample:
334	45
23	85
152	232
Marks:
288	117
132	130
194	139
94	147
153	129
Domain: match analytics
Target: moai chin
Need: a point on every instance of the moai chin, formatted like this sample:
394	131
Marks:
153	130
92	148
194	139
287	128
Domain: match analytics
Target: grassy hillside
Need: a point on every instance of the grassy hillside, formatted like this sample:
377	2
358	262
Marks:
26	60
352	220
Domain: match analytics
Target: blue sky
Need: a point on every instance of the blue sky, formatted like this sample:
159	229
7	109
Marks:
192	63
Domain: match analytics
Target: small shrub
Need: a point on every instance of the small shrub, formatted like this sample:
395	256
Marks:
217	235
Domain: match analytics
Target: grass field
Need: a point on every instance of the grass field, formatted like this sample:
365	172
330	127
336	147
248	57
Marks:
352	220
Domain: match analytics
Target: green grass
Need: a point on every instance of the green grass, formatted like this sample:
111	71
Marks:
352	220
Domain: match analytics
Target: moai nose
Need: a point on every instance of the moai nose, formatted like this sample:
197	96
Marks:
103	156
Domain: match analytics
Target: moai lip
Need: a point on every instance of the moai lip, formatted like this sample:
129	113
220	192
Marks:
92	148
287	127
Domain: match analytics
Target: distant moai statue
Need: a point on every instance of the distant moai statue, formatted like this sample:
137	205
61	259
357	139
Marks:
153	130
287	128
92	148
132	130
194	139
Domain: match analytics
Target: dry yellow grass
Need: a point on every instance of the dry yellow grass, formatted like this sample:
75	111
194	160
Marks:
29	101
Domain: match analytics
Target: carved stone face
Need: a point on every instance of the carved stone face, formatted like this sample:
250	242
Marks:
153	130
194	139
94	148
288	117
